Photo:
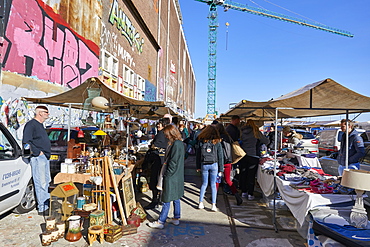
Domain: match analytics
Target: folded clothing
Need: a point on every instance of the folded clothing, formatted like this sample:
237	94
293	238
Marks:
320	187
310	155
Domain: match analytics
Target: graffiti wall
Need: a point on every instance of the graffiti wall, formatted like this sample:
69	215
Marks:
40	44
150	91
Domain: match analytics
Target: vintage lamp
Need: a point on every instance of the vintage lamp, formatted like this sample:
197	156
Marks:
62	201
360	181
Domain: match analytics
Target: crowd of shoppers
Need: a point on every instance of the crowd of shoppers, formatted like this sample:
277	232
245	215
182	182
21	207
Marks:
213	161
212	145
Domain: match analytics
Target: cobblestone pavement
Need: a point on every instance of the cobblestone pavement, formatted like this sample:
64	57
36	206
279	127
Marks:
249	224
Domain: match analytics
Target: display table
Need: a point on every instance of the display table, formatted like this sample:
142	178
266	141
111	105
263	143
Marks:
299	202
84	178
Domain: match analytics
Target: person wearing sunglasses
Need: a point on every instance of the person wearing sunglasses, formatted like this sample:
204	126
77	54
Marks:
35	135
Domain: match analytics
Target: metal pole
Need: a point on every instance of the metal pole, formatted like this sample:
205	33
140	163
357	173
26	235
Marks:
69	123
347	139
275	159
127	140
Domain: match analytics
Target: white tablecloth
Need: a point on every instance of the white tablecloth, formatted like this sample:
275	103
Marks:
299	202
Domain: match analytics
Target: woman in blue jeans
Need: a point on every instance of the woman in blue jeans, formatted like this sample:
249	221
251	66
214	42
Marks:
210	161
173	177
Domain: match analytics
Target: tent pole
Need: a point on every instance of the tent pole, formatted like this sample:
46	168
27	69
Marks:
127	140
69	122
275	159
347	118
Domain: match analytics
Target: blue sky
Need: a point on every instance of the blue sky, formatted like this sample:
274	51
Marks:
263	58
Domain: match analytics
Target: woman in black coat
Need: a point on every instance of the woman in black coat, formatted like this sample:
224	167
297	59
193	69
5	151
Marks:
173	177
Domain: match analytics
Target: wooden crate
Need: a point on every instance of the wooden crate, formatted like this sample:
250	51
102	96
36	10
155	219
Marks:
129	229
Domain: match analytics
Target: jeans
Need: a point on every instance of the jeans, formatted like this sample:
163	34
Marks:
210	170
355	166
41	179
166	208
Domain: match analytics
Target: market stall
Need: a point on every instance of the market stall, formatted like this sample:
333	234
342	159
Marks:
299	199
316	99
102	177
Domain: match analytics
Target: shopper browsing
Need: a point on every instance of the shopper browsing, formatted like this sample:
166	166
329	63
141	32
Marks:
173	177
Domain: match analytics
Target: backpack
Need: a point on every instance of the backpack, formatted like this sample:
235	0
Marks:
208	153
226	148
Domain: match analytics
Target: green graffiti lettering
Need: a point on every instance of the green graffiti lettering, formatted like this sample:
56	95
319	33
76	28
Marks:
124	25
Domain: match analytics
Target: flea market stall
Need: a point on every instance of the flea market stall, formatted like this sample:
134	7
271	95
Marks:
300	194
105	195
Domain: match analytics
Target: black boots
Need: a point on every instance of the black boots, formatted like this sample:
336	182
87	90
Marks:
238	198
151	205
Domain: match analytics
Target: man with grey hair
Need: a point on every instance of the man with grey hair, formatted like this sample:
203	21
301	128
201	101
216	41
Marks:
356	148
35	135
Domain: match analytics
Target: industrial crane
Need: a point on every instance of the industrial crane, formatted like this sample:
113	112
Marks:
212	36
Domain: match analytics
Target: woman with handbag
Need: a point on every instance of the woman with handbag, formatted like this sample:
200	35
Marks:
173	177
226	140
252	139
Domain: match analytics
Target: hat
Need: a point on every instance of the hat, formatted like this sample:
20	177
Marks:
167	115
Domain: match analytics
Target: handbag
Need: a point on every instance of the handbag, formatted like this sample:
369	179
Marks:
237	152
163	169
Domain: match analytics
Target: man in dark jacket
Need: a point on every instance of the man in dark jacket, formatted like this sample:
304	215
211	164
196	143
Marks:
35	135
233	128
154	159
356	149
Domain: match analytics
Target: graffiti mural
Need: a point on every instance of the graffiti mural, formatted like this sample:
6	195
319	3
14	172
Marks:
124	25
39	43
150	91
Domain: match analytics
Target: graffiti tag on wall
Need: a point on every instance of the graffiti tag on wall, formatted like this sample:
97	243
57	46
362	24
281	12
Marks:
39	43
124	25
110	39
150	91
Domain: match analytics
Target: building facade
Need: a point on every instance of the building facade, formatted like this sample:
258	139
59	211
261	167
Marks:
136	47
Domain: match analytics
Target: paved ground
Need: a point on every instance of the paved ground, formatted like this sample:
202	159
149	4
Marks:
247	225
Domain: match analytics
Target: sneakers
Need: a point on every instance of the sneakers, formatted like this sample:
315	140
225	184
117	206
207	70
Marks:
175	222
244	194
250	197
214	208
201	205
155	225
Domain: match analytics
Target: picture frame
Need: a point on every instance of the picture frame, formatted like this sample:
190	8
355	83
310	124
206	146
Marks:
128	195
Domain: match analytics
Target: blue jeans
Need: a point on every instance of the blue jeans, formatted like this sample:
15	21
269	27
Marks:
41	179
210	170
166	208
355	166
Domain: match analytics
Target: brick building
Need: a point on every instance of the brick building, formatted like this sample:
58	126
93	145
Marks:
136	47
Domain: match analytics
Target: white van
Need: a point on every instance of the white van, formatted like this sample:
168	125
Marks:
329	140
16	189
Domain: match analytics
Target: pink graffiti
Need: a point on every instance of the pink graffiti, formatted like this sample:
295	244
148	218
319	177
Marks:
39	45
